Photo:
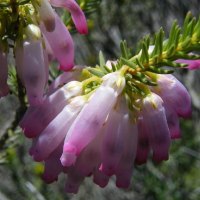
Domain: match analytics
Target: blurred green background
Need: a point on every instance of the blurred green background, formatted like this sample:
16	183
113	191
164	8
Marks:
176	179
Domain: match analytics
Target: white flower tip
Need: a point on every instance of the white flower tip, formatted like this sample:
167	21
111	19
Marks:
68	157
33	31
73	85
114	80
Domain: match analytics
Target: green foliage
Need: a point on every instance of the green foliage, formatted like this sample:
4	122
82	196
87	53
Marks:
160	52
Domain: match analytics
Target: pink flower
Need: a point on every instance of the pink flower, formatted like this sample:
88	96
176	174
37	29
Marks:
56	33
31	68
155	123
192	64
43	39
78	16
177	101
95	134
61	44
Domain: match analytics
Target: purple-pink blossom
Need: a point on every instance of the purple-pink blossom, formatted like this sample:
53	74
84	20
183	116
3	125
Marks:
39	41
191	64
95	134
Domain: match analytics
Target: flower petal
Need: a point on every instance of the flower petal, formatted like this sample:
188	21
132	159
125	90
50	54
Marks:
143	143
91	118
125	167
158	132
32	70
61	44
192	64
173	122
55	132
174	94
78	16
53	166
112	145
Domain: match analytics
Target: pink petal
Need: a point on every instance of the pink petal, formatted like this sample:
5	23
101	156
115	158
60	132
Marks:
32	70
52	105
90	157
74	179
192	64
53	166
173	122
143	143
158	132
100	178
37	118
112	145
88	124
174	94
55	132
61	44
78	16
125	167
65	78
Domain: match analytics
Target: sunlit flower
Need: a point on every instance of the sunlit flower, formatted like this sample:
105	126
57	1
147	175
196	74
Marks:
41	36
93	132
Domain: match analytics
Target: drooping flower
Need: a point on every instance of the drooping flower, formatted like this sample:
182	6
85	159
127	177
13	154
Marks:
40	36
31	67
88	128
78	16
192	64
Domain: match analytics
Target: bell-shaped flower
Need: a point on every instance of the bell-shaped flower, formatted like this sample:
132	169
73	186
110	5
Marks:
192	64
52	166
52	105
124	167
154	120
61	43
174	94
85	133
56	130
30	63
81	132
78	16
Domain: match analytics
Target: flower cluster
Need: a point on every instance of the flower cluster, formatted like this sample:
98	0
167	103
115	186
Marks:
91	128
38	37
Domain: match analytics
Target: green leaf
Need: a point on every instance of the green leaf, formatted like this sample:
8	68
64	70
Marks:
129	63
145	54
95	72
159	70
101	59
158	47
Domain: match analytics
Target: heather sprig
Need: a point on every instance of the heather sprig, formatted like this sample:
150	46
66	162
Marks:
156	55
